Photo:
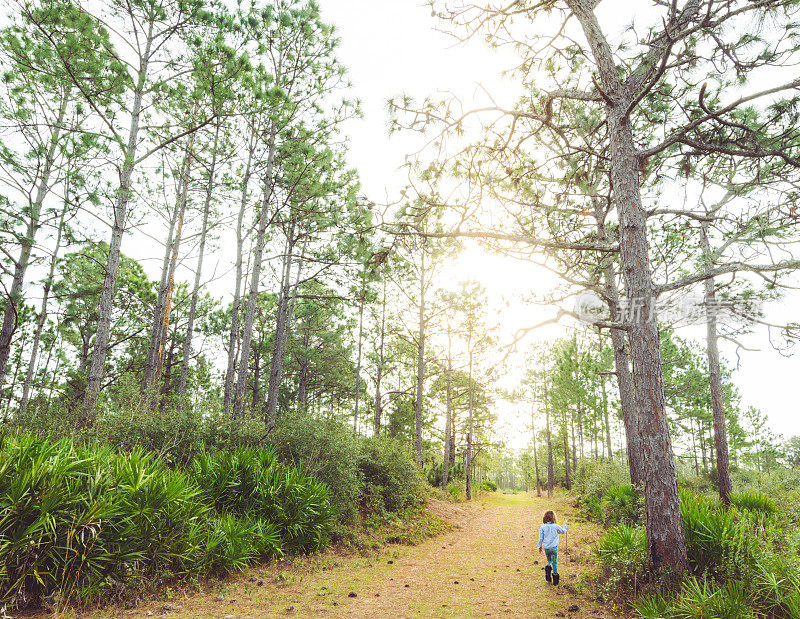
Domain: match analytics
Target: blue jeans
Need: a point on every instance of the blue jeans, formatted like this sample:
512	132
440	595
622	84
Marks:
552	558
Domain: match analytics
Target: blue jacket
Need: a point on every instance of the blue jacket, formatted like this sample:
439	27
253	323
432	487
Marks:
548	535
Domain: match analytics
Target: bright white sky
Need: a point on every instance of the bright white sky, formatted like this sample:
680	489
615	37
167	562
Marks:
392	47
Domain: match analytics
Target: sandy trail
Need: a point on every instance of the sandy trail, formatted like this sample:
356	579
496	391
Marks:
489	566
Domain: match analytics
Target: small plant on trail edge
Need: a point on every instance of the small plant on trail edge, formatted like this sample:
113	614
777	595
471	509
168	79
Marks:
622	555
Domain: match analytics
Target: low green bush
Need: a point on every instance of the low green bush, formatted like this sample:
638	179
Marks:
387	464
488	485
753	502
595	478
326	449
718	542
622	555
250	482
622	505
699	599
76	520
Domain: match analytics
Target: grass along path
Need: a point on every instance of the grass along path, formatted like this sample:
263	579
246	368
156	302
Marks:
487	567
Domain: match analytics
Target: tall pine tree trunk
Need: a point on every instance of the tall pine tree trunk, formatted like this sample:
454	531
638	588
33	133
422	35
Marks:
550	471
622	371
187	343
286	301
103	334
255	280
715	382
48	283
420	365
378	401
14	298
666	543
233	338
358	362
535	455
156	331
448	419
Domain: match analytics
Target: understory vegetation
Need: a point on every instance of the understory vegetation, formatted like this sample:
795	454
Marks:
744	558
91	517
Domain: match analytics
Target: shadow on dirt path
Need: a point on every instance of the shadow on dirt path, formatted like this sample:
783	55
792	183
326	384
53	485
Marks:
490	566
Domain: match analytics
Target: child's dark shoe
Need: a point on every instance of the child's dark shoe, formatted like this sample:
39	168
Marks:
547	571
556	578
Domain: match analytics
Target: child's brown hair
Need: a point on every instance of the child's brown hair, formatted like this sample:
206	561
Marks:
549	516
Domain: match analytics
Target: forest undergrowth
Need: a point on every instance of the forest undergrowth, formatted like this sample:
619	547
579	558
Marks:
744	558
135	507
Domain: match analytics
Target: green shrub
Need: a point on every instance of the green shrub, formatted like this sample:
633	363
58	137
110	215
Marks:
699	599
250	482
708	600
622	554
622	505
455	491
326	449
77	520
754	502
775	581
57	528
162	508
595	478
718	544
488	486
175	438
387	464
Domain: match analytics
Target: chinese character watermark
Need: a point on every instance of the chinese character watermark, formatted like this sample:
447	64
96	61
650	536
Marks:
668	309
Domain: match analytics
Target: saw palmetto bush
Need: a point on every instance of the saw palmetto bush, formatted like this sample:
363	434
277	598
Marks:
78	520
748	500
250	482
718	541
59	530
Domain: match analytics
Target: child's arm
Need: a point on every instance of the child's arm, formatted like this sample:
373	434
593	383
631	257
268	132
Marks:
541	537
562	530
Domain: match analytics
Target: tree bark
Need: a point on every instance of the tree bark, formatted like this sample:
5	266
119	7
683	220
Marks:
288	298
715	383
48	283
550	472
233	338
173	265
420	365
535	455
95	377
567	480
448	423
381	361
252	298
622	370
358	362
187	344
665	538
150	371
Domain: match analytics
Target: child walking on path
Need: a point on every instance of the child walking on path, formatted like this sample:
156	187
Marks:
548	540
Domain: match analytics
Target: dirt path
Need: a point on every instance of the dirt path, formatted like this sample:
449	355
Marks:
489	566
